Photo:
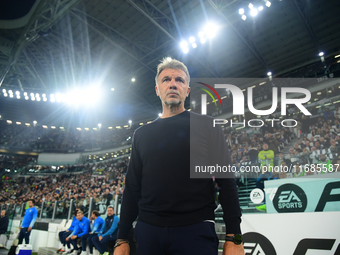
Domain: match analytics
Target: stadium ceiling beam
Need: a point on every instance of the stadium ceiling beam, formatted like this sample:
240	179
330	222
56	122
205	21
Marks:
34	70
152	13
119	37
46	14
301	9
109	40
241	34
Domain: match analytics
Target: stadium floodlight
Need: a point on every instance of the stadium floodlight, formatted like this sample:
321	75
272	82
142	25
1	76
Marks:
133	79
260	8
25	94
200	34
210	29
99	125
241	11
44	126
194	45
17	92
26	98
37	95
168	58
43	95
44	99
5	94
18	97
4	91
11	95
35	122
58	97
269	73
27	124
244	17
185	50
38	99
202	40
130	121
10	92
253	12
159	114
9	121
192	39
321	54
268	3
18	123
193	102
32	94
33	98
250	6
184	44
53	127
112	89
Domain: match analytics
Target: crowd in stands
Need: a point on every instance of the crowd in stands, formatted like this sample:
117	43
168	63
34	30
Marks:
39	138
98	181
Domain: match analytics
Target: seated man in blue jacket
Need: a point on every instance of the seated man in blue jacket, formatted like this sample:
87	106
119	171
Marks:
108	232
97	226
66	233
82	228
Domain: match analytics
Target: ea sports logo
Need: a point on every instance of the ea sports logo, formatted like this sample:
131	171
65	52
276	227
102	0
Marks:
290	198
257	244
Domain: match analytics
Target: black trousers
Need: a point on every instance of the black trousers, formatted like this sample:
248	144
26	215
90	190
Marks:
196	239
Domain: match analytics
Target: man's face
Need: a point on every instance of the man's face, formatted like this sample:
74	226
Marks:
3	212
265	146
110	211
172	87
30	204
79	216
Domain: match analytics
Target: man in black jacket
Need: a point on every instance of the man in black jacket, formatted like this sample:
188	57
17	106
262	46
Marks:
3	222
176	212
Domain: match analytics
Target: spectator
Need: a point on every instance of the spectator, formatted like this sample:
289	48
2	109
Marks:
266	158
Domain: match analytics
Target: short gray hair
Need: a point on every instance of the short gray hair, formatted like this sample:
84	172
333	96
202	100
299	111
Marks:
170	63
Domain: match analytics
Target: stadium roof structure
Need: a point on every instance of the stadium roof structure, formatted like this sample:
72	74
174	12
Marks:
56	45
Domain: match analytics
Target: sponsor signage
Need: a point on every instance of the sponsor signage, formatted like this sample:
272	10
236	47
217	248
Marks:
303	194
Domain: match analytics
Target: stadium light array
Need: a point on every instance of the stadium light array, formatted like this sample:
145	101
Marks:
253	11
209	31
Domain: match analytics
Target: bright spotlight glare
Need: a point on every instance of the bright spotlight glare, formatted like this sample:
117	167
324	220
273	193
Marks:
10	92
44	99
244	17
268	4
192	39
253	12
32	94
184	44
159	114
99	125
87	96
112	89
130	121
43	95
52	99
321	54
210	29
241	11
250	6
18	97
4	91
200	34
194	45
17	92
260	8
202	40
33	98
185	50
25	93
38	99
133	79
269	73
168	58
5	95
58	97
26	98
11	95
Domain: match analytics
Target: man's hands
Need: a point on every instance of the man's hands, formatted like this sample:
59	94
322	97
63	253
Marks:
74	237
67	238
29	229
100	238
123	249
230	248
